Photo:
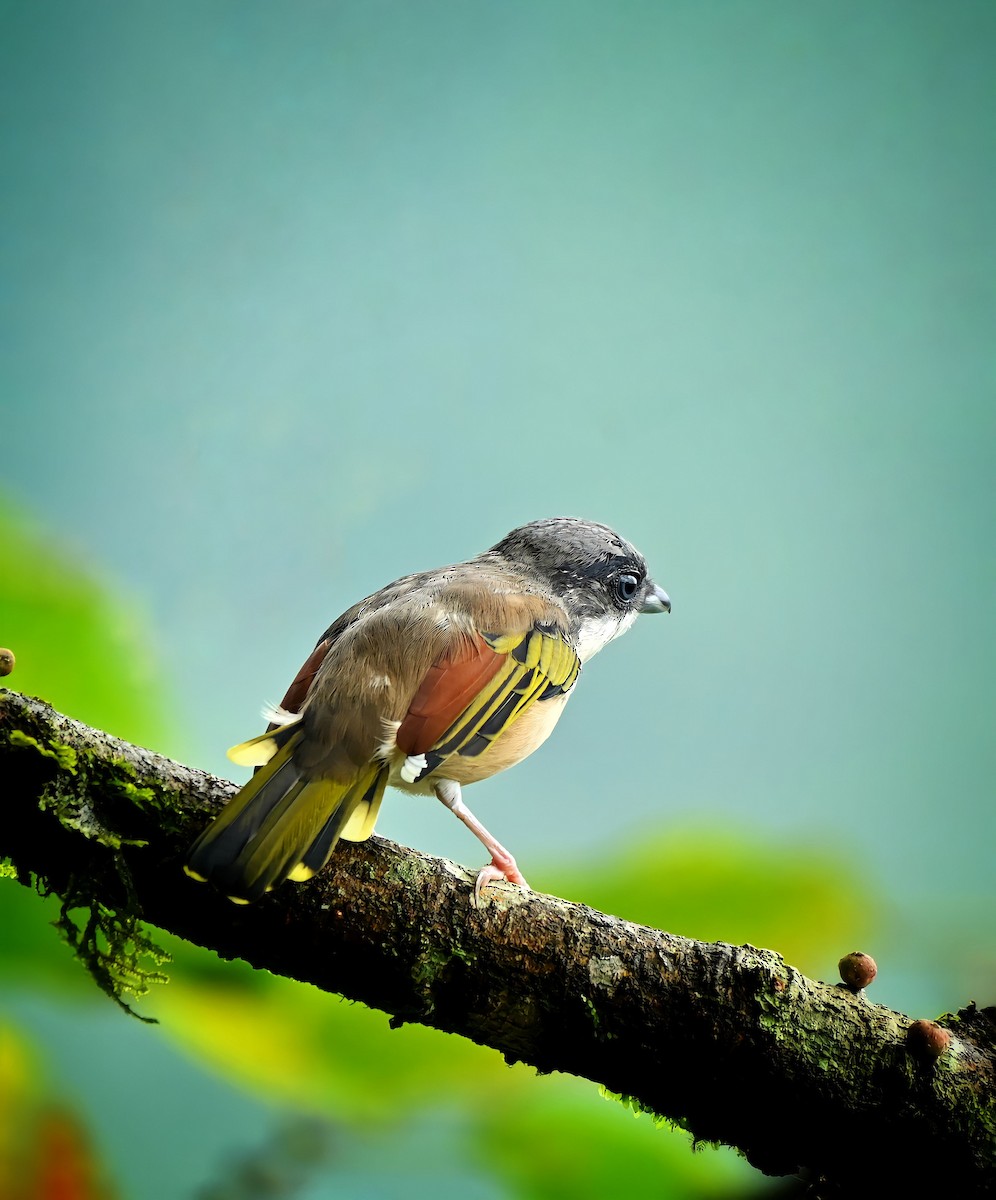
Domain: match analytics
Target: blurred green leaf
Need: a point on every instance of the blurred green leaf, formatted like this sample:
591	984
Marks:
291	1042
31	949
82	649
558	1141
77	645
715	885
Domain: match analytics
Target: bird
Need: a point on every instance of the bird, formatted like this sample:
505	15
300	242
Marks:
438	680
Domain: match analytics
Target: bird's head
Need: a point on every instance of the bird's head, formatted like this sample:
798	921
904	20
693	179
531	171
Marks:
599	577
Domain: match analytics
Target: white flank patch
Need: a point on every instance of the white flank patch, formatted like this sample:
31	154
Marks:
275	715
380	681
412	767
389	741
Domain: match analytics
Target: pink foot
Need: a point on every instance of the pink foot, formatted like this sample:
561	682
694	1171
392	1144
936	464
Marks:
501	866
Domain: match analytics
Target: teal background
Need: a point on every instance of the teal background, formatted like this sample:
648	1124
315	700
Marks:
297	298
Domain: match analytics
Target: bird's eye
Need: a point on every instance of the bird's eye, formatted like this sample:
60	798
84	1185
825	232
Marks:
626	587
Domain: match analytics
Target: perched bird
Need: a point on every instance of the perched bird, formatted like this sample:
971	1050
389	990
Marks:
438	680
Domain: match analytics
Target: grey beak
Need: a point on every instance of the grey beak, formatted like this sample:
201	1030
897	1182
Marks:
656	601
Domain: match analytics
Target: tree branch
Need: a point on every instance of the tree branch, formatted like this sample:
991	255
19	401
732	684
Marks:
728	1041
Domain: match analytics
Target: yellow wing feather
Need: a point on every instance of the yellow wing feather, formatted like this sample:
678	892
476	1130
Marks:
539	665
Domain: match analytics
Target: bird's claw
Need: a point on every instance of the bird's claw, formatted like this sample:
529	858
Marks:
500	867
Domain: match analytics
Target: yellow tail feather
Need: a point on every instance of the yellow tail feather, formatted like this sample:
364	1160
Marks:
257	752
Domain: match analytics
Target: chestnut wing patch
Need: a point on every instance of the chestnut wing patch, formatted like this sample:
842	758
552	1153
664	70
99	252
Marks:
450	684
303	680
471	695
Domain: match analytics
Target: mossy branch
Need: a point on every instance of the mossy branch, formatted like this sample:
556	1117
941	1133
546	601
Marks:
727	1041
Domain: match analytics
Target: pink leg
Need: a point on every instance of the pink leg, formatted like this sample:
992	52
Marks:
502	865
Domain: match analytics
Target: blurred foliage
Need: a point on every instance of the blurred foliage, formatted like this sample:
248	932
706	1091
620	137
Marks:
78	644
45	1149
278	1168
323	1058
558	1144
344	1061
714	885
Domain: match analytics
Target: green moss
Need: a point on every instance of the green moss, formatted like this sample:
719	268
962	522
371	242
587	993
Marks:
77	815
121	776
639	1109
64	756
111	944
108	940
434	963
407	869
596	1020
141	796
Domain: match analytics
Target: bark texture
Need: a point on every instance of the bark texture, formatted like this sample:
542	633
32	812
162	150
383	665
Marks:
728	1041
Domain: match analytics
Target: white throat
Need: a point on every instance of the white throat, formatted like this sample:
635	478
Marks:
596	632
